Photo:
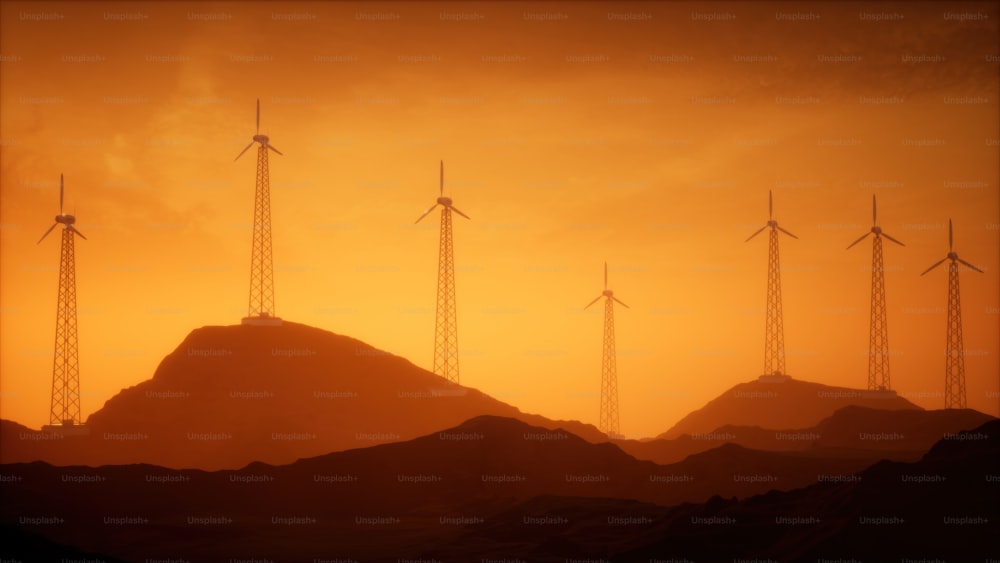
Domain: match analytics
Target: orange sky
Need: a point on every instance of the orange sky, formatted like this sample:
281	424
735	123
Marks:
646	135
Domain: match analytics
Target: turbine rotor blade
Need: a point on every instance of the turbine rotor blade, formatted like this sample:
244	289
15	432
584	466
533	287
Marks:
258	116
596	299
770	205
426	213
874	215
620	302
60	193
441	184
859	240
970	265
455	209
892	239
605	275
759	231
72	228
784	231
936	264
47	233
274	149
243	151
950	238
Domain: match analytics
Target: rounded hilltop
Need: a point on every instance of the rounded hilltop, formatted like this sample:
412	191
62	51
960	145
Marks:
230	395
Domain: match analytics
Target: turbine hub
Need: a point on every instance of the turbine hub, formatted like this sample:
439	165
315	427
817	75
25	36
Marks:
608	293
65	219
445	201
953	256
262	139
877	230
772	223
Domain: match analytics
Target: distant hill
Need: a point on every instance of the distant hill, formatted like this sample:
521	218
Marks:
945	507
229	395
496	487
851	432
779	404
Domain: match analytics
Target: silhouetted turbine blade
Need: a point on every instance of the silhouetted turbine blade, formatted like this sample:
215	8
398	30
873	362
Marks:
970	265
596	299
441	185
72	228
47	233
275	150
759	231
620	302
949	235
605	275
60	194
770	205
786	232
893	240
426	213
863	237
460	213
258	116
874	215
936	264
243	151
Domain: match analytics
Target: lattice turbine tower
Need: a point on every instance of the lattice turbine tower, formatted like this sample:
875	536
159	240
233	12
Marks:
954	364
446	315
774	332
878	333
64	408
261	309
609	421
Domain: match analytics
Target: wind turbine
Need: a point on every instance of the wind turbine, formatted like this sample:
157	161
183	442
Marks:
446	316
64	408
774	332
878	336
261	309
954	366
609	365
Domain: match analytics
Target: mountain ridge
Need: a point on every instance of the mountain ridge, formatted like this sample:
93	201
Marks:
229	395
779	404
852	431
385	502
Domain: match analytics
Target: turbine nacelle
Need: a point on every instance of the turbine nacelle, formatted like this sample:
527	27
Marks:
879	233
442	200
607	292
264	140
63	218
952	255
770	220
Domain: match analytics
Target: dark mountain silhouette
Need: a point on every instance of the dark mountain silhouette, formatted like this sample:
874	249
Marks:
780	403
229	395
428	498
21	545
944	507
852	431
